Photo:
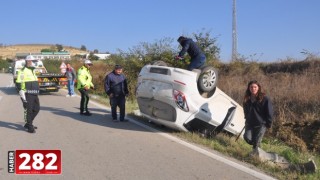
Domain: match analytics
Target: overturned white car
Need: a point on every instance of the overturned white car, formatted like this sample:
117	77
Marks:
187	100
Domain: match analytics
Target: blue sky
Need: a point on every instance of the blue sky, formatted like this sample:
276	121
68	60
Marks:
268	30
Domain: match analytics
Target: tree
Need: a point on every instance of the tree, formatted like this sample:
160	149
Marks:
93	57
59	47
46	50
83	48
53	48
208	45
159	50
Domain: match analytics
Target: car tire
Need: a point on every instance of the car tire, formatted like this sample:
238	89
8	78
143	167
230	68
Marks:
208	79
159	63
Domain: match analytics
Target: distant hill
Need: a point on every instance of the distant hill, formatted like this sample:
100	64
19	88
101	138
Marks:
10	51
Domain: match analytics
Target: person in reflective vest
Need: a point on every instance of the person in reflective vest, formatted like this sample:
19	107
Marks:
27	84
84	83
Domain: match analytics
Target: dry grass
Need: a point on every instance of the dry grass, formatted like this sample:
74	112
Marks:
240	150
292	86
294	90
296	130
10	51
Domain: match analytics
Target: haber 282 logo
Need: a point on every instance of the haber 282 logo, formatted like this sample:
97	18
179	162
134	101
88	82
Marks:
34	162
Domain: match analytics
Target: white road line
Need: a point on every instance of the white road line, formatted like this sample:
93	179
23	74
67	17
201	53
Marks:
11	83
198	149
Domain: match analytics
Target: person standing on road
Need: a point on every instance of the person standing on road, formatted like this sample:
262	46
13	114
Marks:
63	67
27	84
71	76
116	88
258	113
198	58
84	83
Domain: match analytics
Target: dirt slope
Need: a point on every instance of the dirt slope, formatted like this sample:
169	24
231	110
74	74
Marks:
10	51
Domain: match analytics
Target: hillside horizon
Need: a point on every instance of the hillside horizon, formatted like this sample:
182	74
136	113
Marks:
9	51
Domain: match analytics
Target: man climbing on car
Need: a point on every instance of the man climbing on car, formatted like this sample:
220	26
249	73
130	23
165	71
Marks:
198	58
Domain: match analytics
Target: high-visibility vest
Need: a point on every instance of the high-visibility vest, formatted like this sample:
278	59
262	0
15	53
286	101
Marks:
28	80
84	78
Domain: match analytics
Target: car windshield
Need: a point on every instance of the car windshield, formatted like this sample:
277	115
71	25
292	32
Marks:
37	63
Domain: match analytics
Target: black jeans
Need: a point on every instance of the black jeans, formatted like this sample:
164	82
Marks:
32	109
118	101
253	135
84	100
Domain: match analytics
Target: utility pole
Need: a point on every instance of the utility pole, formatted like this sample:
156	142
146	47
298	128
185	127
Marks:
234	32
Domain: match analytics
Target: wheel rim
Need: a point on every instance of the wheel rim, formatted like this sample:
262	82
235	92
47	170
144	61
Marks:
209	79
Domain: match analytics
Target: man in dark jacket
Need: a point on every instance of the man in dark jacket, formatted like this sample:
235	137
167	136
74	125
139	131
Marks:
117	89
198	58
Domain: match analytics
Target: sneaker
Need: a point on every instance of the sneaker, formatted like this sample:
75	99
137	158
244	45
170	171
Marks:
27	126
31	130
309	167
254	153
68	95
124	120
73	95
87	113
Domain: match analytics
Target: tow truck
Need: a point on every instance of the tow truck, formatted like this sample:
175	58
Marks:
48	82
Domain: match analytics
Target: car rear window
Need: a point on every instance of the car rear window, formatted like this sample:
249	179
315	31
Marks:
159	71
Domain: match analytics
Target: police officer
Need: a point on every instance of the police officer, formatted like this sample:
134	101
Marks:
27	84
117	89
83	85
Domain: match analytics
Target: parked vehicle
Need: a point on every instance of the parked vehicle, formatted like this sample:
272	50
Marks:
187	100
48	82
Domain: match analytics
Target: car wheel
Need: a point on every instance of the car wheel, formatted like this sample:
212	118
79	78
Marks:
159	63
208	79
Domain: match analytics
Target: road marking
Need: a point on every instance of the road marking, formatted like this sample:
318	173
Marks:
11	83
198	149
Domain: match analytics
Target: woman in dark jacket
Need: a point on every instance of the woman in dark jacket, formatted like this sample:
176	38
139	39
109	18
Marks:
258	113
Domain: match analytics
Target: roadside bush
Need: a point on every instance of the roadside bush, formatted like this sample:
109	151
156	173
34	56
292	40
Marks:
52	66
4	65
294	90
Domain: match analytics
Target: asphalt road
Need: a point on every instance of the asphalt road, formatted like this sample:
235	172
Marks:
96	148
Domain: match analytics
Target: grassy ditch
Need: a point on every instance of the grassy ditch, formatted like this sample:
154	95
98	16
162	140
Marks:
239	150
293	87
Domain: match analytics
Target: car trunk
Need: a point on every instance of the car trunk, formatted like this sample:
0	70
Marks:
147	95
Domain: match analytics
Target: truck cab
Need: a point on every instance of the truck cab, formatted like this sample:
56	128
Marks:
48	82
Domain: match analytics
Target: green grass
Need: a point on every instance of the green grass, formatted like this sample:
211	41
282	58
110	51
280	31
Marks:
239	150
